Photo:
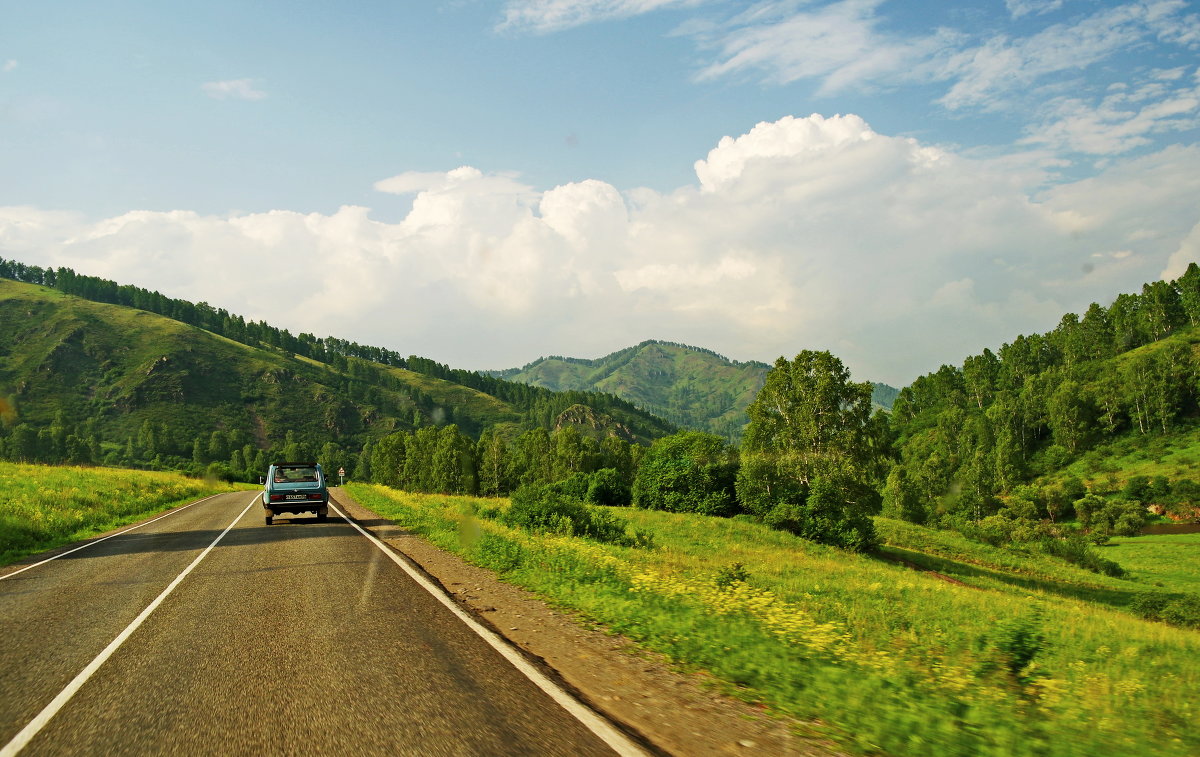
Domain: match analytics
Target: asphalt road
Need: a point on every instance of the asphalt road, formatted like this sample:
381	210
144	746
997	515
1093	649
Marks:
296	638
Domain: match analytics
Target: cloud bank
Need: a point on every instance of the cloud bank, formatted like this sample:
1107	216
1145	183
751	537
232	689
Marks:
814	232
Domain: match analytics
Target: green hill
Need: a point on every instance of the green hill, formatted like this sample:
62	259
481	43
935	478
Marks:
115	377
689	386
1105	405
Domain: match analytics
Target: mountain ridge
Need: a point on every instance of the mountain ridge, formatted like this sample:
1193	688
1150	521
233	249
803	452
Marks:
690	386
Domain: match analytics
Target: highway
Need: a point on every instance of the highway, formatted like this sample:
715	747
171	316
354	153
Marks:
207	631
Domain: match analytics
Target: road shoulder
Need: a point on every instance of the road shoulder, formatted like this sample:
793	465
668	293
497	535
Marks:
677	713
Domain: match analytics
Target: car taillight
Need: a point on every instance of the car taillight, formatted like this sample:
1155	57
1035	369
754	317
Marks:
314	495
276	497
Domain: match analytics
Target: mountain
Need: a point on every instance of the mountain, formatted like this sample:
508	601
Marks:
689	386
109	372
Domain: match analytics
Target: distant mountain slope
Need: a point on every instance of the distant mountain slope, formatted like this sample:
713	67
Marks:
114	369
689	386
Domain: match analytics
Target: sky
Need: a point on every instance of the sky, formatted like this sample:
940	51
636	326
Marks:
484	182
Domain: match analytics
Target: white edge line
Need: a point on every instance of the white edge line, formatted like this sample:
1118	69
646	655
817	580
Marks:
619	742
110	536
39	722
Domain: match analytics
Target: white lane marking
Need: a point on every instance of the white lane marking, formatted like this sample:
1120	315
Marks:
619	742
38	723
106	538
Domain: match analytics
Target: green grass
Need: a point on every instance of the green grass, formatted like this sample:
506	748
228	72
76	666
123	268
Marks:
1170	561
1026	571
42	506
1109	466
889	659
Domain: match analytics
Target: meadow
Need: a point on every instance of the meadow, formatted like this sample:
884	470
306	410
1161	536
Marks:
1027	656
44	506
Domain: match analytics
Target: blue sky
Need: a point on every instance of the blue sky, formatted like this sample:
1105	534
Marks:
903	183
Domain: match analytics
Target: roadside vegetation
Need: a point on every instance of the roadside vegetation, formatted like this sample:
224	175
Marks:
1030	657
48	506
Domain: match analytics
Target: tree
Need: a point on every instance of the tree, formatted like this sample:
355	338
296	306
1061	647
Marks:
387	460
495	478
1070	416
688	472
809	424
902	499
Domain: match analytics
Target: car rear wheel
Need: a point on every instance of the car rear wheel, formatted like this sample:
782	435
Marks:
322	515
270	517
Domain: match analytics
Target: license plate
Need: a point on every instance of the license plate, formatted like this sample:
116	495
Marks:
295	496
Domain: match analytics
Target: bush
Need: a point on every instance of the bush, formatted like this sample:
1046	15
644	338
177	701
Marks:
1176	609
574	487
1012	647
1149	604
831	514
1076	550
606	487
538	507
1183	611
688	472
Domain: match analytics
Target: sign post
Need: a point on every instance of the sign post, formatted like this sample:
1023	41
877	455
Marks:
341	476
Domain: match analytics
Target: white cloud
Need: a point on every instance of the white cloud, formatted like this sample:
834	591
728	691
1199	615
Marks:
9	66
1019	8
235	89
553	15
1188	252
1127	118
813	232
984	74
839	43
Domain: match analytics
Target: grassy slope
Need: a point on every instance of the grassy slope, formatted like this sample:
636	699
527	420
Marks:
1169	561
893	659
123	366
47	506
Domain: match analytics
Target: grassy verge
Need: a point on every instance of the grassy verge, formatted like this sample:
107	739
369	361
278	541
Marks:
891	660
43	506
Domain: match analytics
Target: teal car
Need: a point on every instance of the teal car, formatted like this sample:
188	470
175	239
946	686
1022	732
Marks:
295	488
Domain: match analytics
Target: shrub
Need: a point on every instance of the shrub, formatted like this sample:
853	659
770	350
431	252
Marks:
1149	604
1176	609
688	472
731	574
1183	611
539	507
1013	646
1076	550
831	514
606	487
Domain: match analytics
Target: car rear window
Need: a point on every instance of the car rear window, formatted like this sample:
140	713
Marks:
295	475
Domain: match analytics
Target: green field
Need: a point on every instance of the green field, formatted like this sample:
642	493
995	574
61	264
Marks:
1161	560
1029	656
43	506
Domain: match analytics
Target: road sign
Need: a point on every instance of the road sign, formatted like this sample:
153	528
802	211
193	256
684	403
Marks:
341	471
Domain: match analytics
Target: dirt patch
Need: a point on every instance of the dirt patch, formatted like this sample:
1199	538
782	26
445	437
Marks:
673	712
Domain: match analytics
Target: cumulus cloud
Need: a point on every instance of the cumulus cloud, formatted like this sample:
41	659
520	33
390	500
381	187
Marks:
814	232
233	89
9	66
1188	252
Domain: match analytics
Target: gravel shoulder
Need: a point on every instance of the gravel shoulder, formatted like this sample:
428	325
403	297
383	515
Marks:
674	712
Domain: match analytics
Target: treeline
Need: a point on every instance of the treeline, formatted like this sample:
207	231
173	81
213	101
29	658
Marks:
540	405
971	438
811	463
444	460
